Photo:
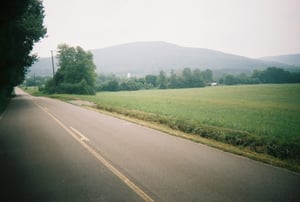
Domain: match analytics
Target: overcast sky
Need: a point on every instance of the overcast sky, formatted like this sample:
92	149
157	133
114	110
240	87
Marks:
252	28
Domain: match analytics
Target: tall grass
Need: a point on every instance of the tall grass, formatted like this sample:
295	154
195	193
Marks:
264	118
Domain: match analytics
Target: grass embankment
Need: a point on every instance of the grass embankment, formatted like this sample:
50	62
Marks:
260	118
32	90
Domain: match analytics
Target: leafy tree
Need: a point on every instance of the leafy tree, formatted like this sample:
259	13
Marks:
207	75
197	78
230	80
162	80
244	79
102	82
110	85
76	73
294	77
131	84
273	75
151	79
270	75
173	81
36	81
187	78
21	25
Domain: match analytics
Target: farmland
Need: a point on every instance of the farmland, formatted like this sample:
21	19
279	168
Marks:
263	118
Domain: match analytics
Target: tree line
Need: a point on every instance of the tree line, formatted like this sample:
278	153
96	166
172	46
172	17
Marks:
21	25
270	75
187	78
36	81
75	81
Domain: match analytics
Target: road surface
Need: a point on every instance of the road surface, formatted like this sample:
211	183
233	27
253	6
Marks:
54	151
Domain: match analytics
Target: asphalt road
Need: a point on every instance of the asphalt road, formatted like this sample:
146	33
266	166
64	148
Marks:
55	151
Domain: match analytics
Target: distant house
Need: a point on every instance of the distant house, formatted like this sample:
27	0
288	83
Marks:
214	84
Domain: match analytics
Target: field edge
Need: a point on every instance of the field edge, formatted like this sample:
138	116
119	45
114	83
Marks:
241	151
264	158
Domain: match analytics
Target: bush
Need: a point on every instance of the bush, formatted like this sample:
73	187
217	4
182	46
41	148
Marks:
71	88
50	87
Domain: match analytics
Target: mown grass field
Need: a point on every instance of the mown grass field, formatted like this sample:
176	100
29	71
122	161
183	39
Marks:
263	118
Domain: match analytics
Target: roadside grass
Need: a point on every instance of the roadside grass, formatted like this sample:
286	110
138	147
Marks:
258	121
32	90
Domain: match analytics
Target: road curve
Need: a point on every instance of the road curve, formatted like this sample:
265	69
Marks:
51	151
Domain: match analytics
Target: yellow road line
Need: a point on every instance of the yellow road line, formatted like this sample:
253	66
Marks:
100	158
82	137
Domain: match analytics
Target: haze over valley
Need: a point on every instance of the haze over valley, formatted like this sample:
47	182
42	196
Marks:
141	58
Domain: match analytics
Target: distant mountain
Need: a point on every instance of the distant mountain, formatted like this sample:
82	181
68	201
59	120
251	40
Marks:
43	67
151	57
141	58
293	59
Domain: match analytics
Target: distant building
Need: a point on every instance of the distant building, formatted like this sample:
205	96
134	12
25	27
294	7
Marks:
214	84
128	75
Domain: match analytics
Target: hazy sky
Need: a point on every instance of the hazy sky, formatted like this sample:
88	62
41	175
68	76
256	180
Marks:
252	28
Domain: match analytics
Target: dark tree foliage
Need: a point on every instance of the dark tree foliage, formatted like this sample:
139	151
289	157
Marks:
162	80
131	84
207	75
230	80
184	79
21	25
103	83
76	74
270	75
151	79
276	75
187	78
111	85
173	80
238	79
198	78
36	81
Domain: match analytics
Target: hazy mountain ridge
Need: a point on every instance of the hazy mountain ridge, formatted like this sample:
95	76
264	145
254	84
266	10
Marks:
142	58
43	67
292	59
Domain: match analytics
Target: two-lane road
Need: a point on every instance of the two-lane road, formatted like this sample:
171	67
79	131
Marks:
55	151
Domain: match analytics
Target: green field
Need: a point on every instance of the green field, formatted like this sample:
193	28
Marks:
264	118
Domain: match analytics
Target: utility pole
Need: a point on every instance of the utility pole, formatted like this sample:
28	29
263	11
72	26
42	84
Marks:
52	62
34	81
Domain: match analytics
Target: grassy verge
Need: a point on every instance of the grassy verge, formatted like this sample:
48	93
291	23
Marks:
242	151
261	122
33	90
